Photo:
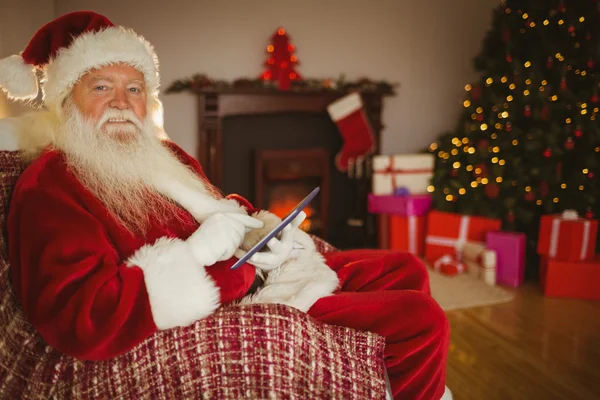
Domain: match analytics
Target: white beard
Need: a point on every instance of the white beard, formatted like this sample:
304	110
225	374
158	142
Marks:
122	166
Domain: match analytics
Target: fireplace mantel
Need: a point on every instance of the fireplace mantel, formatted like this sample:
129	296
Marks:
214	105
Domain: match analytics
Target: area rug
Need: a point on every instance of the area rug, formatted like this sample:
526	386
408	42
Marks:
464	291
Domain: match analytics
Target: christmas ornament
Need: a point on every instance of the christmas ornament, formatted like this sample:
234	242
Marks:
510	216
569	144
544	189
527	111
349	115
589	214
508	58
476	92
479	117
481	171
578	132
590	175
529	196
547	153
282	61
545	112
492	190
571	29
594	98
483	145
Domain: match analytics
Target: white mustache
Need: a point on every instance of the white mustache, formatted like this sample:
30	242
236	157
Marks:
114	115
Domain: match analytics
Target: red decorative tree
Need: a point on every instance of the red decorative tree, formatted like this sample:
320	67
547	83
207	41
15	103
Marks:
281	62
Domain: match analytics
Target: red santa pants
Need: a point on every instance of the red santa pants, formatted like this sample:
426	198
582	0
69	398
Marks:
388	293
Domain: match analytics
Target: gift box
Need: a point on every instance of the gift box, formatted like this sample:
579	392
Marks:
407	233
448	265
447	233
571	279
480	262
567	237
510	256
399	205
478	271
410	171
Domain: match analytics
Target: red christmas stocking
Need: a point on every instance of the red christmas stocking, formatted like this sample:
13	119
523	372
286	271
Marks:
349	115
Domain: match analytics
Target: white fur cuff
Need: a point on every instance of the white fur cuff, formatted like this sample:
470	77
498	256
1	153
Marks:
180	290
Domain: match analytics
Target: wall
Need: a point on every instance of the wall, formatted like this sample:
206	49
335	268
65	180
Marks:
19	20
426	46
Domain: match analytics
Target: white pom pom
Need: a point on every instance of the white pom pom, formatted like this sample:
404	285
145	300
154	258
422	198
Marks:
569	214
17	78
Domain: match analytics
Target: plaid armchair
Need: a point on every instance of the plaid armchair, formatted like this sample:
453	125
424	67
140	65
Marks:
256	351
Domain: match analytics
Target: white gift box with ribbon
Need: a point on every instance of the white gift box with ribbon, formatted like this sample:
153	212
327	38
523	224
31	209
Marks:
412	171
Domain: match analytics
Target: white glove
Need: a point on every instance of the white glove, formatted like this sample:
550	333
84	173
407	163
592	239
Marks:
280	250
220	235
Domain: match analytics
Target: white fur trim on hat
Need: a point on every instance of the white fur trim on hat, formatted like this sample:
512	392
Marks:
179	289
95	50
17	78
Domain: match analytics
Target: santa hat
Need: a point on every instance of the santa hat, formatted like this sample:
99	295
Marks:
67	48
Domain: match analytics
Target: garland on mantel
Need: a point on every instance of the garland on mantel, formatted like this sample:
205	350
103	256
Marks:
203	82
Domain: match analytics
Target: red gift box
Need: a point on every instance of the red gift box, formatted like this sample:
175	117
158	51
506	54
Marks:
407	233
576	280
567	237
448	232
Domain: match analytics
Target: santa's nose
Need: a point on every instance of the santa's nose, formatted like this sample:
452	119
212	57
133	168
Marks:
120	100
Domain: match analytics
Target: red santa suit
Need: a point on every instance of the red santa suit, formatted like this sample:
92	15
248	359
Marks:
94	289
78	275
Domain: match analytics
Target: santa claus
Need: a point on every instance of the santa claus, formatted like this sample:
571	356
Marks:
115	232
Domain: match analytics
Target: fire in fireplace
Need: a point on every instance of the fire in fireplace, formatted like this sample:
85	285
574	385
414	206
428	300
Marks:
284	177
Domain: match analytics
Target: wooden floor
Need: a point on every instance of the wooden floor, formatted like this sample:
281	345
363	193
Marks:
531	348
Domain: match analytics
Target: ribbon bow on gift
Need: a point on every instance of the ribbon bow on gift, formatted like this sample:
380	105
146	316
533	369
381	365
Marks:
570	215
448	265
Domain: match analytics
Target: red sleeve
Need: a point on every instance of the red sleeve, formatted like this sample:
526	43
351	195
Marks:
78	294
244	203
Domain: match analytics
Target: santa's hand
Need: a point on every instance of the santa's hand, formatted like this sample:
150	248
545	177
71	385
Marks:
220	235
280	250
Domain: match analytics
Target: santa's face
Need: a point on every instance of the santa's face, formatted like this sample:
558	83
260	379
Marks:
113	99
119	158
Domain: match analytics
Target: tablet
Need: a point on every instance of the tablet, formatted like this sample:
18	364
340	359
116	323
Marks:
284	222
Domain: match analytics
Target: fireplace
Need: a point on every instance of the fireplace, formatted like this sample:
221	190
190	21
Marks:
285	177
275	147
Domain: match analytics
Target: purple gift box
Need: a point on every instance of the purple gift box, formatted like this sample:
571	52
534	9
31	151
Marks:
510	256
415	205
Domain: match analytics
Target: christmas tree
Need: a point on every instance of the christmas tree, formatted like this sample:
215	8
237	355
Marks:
282	61
528	140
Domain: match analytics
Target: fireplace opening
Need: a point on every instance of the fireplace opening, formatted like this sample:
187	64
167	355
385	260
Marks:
284	177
